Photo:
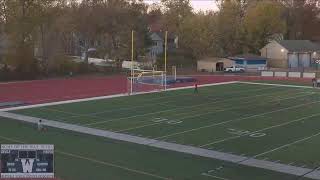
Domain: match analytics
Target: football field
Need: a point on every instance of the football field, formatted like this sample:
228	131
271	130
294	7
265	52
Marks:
272	123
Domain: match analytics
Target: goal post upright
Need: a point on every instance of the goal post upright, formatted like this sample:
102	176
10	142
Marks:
165	60
132	70
174	72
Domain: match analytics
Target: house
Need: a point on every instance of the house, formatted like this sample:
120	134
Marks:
291	53
158	43
212	64
250	61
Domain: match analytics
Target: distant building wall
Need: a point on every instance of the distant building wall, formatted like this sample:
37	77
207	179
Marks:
210	64
278	63
276	54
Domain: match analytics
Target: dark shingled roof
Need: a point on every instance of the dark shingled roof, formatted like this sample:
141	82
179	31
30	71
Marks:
247	57
299	45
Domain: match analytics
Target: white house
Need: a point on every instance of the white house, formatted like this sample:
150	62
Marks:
158	40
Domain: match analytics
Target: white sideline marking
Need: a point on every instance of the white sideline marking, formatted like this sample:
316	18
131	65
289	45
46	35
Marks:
110	96
278	85
287	145
94	160
174	109
298	171
313	174
210	112
212	176
239	119
267	128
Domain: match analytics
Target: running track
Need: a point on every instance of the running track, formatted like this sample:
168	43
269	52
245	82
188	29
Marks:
43	91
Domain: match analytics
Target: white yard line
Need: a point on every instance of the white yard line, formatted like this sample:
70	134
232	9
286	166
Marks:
113	165
261	130
101	112
287	145
278	85
312	173
215	177
92	115
108	97
210	112
239	119
174	109
94	160
283	168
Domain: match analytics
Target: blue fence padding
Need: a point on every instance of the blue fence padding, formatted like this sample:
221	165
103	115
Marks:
263	62
239	61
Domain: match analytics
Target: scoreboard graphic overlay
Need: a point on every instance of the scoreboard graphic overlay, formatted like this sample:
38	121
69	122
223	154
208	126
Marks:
27	161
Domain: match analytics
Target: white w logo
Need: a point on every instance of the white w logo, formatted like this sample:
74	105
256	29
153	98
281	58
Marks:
27	165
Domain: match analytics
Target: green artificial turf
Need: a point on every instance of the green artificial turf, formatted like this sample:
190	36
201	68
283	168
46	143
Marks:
244	119
83	157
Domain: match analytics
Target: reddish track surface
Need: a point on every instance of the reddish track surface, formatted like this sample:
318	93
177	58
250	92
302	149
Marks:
42	91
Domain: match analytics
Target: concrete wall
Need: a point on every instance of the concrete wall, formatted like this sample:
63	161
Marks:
280	74
276	58
308	75
294	74
207	66
267	73
288	74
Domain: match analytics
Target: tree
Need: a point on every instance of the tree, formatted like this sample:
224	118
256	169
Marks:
261	22
198	34
301	18
229	29
175	12
107	25
21	17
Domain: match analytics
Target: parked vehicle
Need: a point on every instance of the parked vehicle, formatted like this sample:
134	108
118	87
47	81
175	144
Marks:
234	69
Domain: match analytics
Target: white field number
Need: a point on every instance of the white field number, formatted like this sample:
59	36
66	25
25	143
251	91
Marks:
240	132
164	120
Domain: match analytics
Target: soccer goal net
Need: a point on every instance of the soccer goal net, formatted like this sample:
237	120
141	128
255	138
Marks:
145	81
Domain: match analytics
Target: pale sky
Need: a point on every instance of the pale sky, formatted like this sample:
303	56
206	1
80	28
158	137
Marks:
196	4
